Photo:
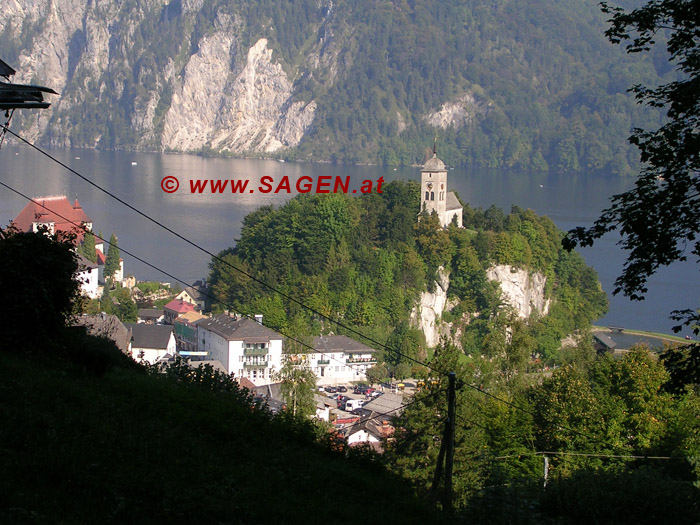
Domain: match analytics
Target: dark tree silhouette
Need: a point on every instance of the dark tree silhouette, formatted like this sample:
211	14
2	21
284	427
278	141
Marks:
659	219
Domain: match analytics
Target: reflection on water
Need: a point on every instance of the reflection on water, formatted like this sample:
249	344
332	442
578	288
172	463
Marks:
214	221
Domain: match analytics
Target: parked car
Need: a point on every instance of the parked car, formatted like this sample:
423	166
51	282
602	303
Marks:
353	404
331	389
341	388
361	389
376	393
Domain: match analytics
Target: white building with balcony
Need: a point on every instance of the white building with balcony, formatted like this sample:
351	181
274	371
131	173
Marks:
244	347
340	360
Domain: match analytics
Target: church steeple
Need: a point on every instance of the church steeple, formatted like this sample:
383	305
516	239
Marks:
434	194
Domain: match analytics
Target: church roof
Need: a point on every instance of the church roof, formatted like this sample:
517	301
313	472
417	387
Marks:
434	164
452	201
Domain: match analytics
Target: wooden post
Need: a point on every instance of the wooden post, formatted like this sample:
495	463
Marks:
450	440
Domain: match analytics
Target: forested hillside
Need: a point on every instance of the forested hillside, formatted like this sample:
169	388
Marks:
365	261
526	84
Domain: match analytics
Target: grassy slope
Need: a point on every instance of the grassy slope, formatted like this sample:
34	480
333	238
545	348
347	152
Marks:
128	447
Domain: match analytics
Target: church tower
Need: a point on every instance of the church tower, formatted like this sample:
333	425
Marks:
434	194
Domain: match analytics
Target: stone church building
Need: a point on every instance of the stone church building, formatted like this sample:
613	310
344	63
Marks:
434	194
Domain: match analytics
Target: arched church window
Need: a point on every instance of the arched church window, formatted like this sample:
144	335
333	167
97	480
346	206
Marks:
427	195
432	195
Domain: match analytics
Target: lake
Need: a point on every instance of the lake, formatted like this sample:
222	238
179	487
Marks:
214	221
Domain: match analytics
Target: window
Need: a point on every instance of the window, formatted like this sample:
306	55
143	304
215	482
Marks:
432	195
427	195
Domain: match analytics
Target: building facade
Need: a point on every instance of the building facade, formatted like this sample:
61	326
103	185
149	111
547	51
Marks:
245	348
340	360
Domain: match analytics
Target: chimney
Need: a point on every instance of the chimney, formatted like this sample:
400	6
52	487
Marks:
258	318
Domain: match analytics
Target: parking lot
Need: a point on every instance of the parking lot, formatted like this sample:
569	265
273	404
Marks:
407	391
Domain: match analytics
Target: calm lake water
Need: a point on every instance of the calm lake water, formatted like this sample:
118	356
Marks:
214	221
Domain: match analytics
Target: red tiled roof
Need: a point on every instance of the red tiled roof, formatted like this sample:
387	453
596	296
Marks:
101	257
179	306
57	205
246	383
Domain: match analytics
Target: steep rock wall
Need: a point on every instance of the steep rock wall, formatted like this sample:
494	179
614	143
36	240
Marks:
522	290
252	110
427	314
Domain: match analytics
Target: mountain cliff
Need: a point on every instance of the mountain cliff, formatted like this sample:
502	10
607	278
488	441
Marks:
522	290
522	84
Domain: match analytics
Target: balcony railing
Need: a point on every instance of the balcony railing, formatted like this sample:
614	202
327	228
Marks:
255	364
355	360
255	351
324	361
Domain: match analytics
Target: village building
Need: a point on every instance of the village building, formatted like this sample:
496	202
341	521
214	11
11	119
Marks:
175	309
109	326
151	316
372	432
339	359
118	276
58	216
87	276
186	334
388	405
151	342
435	196
197	295
245	347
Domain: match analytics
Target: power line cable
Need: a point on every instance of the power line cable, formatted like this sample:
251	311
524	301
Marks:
248	316
263	283
221	260
530	412
585	454
412	402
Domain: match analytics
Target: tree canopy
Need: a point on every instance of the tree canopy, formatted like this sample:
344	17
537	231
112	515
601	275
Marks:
658	219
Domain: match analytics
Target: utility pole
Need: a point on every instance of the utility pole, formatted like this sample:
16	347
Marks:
450	433
447	448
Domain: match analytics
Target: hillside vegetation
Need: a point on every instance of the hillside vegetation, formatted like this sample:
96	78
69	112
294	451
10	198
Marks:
365	261
525	84
88	435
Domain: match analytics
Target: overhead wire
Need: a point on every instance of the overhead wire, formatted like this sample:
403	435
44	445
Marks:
267	285
164	272
412	402
251	316
224	261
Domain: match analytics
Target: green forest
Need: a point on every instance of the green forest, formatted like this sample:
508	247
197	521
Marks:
91	434
620	435
545	90
365	261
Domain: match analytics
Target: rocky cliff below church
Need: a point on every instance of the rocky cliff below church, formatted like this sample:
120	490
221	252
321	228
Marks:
522	290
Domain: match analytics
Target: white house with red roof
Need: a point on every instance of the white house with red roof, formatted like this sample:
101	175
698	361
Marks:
58	215
175	309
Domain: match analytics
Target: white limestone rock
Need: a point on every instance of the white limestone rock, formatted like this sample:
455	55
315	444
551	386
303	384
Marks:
523	290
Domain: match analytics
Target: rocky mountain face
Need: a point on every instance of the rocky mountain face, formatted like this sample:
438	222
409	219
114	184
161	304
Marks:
504	84
522	290
218	95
